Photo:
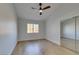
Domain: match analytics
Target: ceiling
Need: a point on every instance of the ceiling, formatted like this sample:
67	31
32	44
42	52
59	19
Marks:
57	10
25	11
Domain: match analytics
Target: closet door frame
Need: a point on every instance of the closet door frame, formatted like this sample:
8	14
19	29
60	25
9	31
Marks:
76	35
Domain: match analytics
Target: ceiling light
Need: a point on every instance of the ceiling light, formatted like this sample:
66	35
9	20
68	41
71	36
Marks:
40	11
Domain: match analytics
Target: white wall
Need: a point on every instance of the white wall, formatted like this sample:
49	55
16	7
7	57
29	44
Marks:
8	29
22	31
53	22
53	30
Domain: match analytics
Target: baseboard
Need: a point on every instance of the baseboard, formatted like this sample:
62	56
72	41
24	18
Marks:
53	42
14	48
30	39
39	39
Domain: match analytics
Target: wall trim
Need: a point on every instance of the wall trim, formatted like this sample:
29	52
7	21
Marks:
40	39
53	42
29	39
14	48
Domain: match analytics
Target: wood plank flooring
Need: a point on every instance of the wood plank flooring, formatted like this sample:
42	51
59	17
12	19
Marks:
40	47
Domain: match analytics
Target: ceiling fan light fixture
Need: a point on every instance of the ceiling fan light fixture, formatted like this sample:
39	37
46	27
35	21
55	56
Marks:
40	11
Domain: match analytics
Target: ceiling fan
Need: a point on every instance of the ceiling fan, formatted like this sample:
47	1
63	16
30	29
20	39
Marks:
41	8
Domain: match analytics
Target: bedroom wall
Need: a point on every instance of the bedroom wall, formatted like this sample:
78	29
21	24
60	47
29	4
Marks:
8	29
22	31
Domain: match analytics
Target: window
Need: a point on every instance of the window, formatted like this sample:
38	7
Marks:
32	28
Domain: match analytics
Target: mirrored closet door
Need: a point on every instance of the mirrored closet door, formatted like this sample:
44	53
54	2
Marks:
68	33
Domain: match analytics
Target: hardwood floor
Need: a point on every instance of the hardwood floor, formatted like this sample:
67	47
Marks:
40	47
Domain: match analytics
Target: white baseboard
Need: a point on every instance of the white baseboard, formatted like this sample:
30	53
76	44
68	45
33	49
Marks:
30	39
39	39
13	48
53	42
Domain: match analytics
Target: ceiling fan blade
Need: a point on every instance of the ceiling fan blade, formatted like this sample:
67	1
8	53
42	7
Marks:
46	7
34	8
40	13
40	4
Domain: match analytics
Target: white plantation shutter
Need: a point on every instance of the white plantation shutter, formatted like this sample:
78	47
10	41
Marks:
32	28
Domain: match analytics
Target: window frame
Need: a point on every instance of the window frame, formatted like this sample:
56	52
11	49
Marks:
34	28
